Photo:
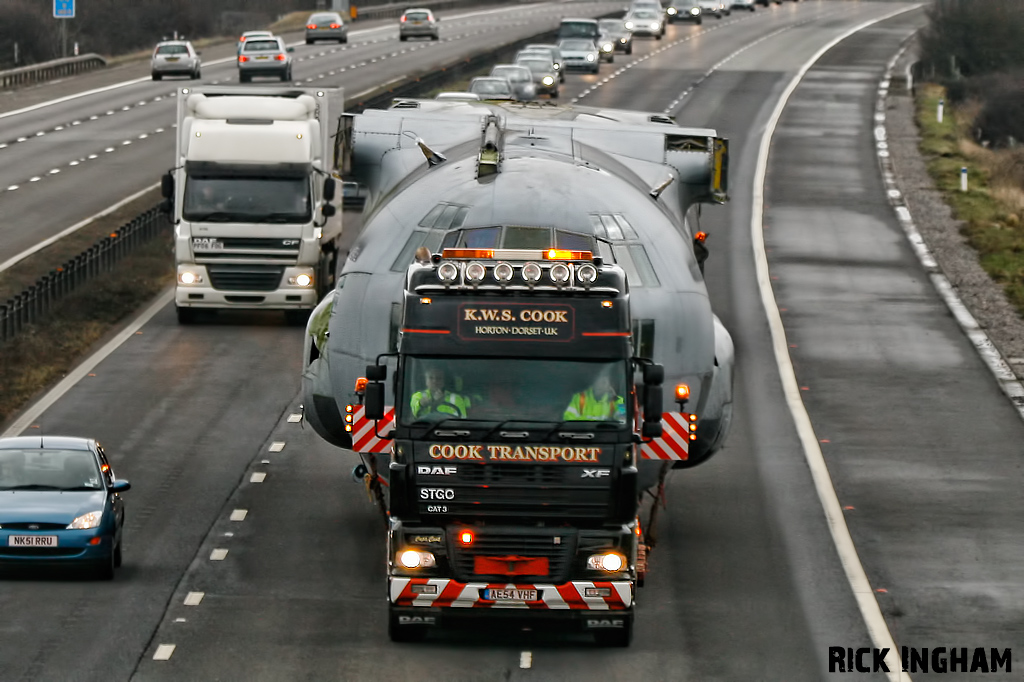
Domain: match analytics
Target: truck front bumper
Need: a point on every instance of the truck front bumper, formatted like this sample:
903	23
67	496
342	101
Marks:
590	605
200	292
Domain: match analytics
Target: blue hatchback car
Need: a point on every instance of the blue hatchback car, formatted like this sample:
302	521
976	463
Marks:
60	504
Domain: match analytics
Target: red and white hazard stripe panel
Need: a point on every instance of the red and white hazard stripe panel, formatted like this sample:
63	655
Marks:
674	442
364	434
578	595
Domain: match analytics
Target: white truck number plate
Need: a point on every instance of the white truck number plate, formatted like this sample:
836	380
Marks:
32	541
505	594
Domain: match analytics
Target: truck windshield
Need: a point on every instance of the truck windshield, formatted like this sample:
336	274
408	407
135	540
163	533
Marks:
247	199
518	389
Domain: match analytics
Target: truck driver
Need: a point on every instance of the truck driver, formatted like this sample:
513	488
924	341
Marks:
436	399
597	403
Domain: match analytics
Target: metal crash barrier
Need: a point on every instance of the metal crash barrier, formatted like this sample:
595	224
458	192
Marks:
35	302
57	68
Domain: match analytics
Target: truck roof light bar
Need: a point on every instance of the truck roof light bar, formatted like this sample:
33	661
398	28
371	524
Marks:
517	254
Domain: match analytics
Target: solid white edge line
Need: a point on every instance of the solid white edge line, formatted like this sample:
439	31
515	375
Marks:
990	354
855	574
225	60
74	228
80	372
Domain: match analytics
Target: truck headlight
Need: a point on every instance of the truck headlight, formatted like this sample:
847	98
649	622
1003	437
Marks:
671	11
303	280
189	278
86	521
609	562
548	80
415	558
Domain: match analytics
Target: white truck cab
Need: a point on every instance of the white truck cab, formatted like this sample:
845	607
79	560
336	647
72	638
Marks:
251	197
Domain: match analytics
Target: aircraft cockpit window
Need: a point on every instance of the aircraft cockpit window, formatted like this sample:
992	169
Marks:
527	238
643	265
431	217
444	222
445	216
627	229
612	228
574	241
430	239
599	231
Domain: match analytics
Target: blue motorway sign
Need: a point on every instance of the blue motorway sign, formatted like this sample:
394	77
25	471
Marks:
64	9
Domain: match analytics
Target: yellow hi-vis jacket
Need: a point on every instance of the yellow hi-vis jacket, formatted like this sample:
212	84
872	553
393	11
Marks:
584	406
451	403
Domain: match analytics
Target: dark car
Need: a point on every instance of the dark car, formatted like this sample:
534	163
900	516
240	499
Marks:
520	78
545	78
489	87
60	504
615	31
326	26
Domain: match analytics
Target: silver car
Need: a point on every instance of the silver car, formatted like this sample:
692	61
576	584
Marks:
520	78
646	22
710	8
580	53
250	35
545	78
614	30
326	26
551	49
418	22
744	4
175	58
265	57
489	87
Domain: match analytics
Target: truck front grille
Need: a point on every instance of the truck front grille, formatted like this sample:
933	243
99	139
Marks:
245	277
557	545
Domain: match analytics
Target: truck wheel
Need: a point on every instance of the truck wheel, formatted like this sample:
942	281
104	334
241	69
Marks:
186	315
615	638
405	633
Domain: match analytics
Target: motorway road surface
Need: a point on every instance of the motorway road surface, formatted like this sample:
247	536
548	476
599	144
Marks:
64	162
746	583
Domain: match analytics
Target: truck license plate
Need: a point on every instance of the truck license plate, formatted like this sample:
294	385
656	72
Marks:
32	541
509	595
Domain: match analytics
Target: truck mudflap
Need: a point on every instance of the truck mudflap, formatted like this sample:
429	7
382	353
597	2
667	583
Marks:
678	429
581	595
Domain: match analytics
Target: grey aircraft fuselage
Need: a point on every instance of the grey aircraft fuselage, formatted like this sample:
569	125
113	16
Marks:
628	178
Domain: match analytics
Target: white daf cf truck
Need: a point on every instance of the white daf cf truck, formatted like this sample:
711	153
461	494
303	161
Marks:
251	197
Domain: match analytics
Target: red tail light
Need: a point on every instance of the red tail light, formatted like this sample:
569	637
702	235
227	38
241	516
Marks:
403	18
311	26
280	58
335	25
242	39
242	58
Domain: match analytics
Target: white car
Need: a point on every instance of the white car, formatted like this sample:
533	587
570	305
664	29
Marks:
647	22
744	4
580	53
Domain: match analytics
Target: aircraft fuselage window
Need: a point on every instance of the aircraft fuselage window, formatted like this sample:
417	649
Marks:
643	265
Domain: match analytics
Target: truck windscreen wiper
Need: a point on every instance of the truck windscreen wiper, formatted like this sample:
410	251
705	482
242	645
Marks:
214	217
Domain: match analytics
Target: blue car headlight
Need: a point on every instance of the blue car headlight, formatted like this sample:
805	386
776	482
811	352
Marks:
86	521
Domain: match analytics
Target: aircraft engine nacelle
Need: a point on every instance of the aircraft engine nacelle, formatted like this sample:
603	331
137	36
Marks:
716	413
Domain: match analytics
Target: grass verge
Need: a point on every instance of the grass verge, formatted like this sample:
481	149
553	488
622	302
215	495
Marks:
46	351
993	204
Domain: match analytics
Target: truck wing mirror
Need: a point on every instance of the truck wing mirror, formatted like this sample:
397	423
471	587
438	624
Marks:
376	372
652	403
167	185
654	375
329	188
328	210
651	429
373	400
